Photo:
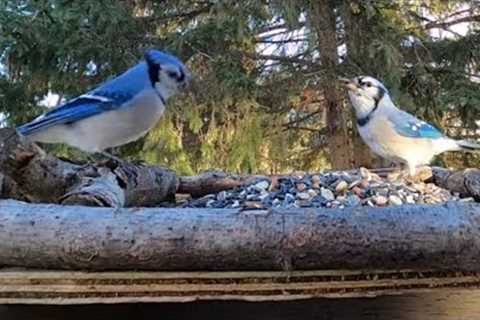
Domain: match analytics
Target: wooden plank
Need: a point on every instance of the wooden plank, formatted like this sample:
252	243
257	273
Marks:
52	287
58	275
458	304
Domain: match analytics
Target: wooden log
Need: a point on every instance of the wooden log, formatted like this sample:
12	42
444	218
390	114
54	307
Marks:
466	181
145	185
100	191
28	173
213	182
442	237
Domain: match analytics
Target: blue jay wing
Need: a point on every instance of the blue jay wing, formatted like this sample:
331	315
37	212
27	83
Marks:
110	95
77	109
408	126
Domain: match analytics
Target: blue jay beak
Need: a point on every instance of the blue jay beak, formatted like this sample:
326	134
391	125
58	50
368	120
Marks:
349	84
192	88
187	83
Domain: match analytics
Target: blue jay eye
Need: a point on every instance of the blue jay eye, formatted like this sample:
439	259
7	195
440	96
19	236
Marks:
181	78
368	84
172	74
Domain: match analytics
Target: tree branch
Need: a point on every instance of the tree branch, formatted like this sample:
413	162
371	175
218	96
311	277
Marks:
284	59
447	24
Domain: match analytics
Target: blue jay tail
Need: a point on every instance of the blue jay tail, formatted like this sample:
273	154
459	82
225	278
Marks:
468	146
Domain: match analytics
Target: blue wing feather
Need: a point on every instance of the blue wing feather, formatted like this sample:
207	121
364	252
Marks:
70	112
407	125
110	95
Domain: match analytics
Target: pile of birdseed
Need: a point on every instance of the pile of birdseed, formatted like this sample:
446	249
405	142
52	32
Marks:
328	190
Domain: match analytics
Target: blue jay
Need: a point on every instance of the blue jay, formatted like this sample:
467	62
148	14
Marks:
392	133
118	111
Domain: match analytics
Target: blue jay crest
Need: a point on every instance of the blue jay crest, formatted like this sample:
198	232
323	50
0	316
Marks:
157	61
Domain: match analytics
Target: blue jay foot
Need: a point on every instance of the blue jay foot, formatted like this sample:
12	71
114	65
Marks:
138	162
107	158
423	173
396	175
420	174
399	173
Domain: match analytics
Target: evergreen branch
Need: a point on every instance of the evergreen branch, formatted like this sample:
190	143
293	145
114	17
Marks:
447	24
286	41
178	16
297	121
460	12
321	131
271	28
285	59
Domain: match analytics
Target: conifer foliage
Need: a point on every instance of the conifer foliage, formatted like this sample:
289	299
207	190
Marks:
264	97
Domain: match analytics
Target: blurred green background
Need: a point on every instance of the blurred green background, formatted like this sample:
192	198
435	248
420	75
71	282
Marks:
265	99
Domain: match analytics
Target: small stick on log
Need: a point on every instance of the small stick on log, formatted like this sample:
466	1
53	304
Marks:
213	182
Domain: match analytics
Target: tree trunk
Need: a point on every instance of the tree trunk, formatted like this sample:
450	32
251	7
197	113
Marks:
358	37
441	237
322	17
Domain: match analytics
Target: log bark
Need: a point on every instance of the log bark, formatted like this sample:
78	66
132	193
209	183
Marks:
28	173
441	237
466	181
213	182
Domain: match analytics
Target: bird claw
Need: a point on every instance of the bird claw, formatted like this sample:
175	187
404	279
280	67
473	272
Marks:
420	175
398	173
107	159
424	173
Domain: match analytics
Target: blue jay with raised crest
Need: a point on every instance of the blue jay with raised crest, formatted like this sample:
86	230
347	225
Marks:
393	133
119	111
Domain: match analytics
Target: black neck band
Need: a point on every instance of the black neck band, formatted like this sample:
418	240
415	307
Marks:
160	96
364	120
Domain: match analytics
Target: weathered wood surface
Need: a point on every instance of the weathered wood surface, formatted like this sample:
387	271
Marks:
441	237
465	182
461	304
60	287
212	182
28	173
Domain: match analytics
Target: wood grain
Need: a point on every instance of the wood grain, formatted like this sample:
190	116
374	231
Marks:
59	287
